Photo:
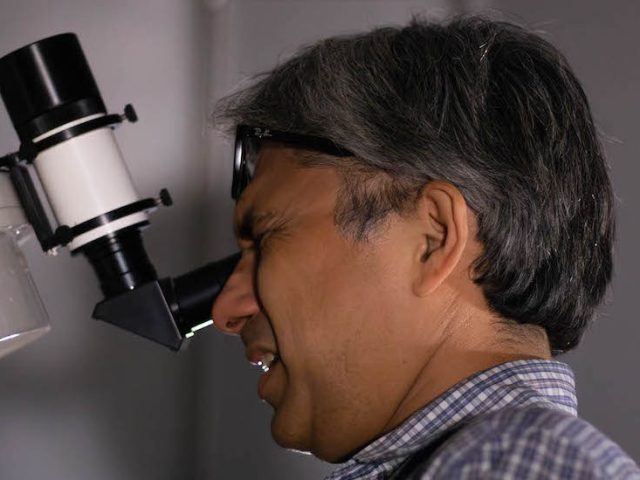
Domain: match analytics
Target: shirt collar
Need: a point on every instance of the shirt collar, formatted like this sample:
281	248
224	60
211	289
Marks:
518	383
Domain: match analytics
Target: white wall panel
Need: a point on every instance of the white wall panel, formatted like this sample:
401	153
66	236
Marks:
90	401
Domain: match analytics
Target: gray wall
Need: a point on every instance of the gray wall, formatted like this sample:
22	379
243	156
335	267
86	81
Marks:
90	401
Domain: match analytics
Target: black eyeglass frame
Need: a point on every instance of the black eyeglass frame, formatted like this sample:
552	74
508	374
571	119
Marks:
241	173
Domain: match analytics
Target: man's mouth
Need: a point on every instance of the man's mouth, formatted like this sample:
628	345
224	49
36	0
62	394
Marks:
267	361
263	360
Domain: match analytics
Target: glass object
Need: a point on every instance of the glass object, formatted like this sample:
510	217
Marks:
23	318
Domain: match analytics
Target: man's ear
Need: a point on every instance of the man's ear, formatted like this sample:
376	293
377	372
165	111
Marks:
442	223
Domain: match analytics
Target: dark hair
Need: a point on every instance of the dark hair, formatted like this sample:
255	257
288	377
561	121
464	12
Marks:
488	106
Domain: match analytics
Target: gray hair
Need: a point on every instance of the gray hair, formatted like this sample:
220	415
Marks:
485	105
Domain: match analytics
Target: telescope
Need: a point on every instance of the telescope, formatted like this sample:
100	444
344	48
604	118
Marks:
69	149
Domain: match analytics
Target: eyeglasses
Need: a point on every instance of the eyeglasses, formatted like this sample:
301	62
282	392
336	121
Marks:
247	146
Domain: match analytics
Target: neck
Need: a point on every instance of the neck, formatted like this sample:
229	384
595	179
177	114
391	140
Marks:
452	362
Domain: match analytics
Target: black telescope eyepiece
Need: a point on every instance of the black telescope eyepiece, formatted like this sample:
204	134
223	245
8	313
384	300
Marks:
168	311
47	84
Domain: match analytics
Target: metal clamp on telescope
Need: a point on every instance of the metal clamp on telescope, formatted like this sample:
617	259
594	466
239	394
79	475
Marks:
67	135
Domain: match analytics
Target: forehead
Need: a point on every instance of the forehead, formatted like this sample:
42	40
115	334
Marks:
283	186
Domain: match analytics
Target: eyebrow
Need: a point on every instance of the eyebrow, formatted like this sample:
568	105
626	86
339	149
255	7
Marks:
245	230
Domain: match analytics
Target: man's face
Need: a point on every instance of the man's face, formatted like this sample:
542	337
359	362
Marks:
339	314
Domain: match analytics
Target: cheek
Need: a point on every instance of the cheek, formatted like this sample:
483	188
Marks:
327	302
297	281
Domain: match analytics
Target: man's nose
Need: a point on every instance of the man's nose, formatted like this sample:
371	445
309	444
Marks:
237	302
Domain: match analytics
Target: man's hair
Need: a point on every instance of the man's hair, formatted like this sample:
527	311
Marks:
487	106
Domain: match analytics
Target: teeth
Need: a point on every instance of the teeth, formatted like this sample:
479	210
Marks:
267	361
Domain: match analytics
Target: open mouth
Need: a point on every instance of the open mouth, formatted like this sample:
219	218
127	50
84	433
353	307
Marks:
268	361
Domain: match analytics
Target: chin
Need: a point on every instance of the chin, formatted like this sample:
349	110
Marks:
290	437
302	441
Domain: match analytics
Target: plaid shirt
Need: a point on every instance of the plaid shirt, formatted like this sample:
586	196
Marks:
528	428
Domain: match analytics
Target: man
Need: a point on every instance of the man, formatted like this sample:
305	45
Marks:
425	220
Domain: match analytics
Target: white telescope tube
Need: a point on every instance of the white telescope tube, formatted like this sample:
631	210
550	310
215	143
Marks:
85	177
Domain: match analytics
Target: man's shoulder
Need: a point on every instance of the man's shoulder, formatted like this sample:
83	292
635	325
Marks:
529	442
530	420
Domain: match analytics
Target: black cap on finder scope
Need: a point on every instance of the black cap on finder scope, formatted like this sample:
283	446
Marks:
47	84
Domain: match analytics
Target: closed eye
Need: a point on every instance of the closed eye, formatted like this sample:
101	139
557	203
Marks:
262	240
258	242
